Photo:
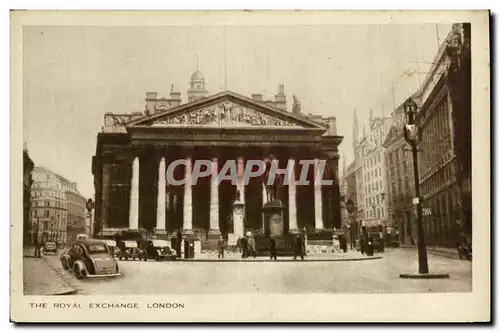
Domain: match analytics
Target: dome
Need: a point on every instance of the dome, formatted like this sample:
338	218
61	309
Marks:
197	76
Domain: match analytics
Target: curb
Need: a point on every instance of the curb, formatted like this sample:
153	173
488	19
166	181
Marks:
71	291
250	260
434	251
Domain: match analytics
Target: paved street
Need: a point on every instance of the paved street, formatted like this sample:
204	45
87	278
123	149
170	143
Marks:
369	276
39	278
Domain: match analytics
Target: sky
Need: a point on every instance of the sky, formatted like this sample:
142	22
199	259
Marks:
73	75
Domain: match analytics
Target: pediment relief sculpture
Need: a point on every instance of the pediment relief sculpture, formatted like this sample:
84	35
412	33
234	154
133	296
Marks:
227	114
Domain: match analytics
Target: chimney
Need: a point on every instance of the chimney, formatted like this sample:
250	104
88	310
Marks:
280	98
332	126
257	96
151	99
175	97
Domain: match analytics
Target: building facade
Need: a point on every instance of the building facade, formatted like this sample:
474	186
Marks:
350	199
400	180
444	121
28	166
53	200
370	154
76	214
134	150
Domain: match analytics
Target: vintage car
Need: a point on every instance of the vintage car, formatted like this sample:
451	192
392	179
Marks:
81	237
90	259
129	249
113	249
158	250
49	248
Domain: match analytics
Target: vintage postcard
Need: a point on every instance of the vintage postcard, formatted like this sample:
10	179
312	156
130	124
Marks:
250	166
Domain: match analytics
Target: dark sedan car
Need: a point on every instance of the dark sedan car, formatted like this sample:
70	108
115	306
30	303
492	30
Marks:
90	259
158	250
49	248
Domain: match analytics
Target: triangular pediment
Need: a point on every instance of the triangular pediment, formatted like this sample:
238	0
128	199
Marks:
227	110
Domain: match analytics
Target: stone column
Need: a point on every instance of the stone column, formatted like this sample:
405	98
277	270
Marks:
264	201
188	199
239	205
292	204
106	168
133	222
240	183
214	201
318	201
160	207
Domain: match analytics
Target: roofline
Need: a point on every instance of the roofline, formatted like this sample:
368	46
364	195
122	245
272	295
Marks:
222	94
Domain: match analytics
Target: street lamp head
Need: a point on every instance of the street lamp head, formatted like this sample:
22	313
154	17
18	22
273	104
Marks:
410	108
90	205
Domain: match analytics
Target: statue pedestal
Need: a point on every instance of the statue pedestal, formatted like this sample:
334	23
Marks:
273	218
238	216
161	234
274	227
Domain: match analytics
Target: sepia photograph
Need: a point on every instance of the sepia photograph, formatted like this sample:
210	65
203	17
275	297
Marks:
251	155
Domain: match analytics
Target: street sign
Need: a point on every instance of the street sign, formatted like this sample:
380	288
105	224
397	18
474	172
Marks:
416	200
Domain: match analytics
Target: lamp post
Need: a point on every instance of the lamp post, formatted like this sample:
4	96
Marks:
350	209
410	131
37	243
90	206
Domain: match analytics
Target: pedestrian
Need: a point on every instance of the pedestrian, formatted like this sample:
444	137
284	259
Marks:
220	246
343	243
272	248
238	244
178	243
37	248
251	245
361	245
244	247
298	247
335	244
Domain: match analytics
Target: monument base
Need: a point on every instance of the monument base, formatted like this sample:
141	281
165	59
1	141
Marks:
189	234
161	234
272	213
210	243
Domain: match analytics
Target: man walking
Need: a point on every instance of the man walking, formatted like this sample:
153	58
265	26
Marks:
220	246
178	243
272	248
251	245
244	247
298	249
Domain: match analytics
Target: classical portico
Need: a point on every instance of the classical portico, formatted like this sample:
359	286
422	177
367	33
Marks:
131	163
